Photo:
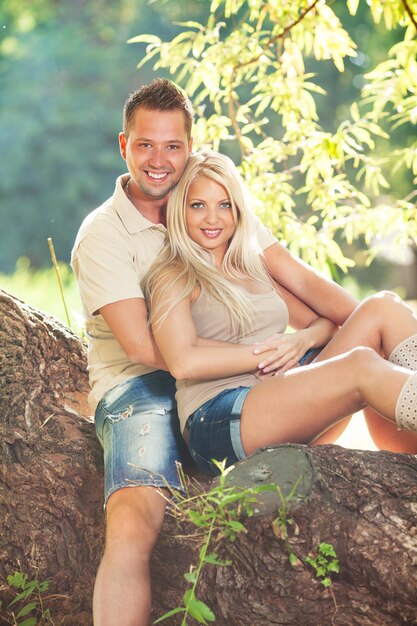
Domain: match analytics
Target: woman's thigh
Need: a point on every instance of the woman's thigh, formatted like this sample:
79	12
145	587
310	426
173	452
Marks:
295	407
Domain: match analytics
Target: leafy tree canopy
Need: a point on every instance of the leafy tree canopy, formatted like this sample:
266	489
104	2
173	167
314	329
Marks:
245	68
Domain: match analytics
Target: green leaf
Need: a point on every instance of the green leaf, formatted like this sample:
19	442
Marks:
293	559
213	560
145	39
31	621
18	580
327	549
179	609
200	611
236	526
24	594
190	577
189	25
27	609
352	6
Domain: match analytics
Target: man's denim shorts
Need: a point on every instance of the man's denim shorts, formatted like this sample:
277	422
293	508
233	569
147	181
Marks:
137	426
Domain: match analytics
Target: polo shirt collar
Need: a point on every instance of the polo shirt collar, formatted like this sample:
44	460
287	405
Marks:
132	219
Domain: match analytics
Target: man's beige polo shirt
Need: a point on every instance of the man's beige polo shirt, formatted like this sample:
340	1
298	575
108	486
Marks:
113	251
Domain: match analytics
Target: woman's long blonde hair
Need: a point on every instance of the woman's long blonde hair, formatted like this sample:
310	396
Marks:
181	259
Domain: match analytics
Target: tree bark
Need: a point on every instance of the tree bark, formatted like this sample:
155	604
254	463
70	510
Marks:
51	516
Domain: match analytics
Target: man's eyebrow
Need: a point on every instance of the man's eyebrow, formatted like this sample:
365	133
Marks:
147	140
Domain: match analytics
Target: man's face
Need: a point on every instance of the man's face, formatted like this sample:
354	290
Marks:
156	150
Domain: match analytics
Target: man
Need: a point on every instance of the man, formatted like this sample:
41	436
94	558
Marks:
131	392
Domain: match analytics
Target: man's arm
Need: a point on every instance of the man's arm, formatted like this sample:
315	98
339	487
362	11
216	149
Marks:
128	321
325	297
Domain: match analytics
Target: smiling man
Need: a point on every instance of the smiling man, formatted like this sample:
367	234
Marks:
132	394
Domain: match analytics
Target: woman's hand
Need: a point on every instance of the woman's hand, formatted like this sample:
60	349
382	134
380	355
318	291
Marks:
288	348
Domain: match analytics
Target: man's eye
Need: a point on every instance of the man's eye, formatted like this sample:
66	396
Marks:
144	145
173	147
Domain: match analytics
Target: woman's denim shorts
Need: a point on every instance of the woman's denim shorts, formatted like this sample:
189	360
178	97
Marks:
214	430
137	426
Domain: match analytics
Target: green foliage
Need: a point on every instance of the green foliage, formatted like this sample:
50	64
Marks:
215	515
27	607
324	562
245	70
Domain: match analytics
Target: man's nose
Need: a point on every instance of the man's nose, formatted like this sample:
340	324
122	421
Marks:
156	157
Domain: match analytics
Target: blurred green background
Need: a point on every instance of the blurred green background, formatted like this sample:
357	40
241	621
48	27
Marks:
65	71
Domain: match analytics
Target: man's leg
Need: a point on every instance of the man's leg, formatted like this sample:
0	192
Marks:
137	425
122	593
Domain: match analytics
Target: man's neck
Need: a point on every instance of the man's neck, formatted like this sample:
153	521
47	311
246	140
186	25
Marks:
154	210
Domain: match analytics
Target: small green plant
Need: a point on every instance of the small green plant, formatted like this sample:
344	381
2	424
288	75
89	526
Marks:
27	607
283	521
325	563
215	515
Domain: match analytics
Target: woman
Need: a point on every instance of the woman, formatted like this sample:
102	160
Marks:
210	282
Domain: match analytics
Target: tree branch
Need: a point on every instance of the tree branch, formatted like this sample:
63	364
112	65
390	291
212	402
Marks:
281	35
409	13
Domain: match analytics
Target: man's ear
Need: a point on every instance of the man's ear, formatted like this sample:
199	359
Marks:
122	144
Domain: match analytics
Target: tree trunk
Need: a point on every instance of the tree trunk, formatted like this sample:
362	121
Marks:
363	503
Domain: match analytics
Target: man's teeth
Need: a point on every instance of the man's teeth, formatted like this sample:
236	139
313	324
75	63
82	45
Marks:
157	176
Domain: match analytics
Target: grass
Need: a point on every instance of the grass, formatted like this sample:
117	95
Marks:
40	288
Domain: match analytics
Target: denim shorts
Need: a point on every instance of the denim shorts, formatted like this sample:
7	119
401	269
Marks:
138	428
214	430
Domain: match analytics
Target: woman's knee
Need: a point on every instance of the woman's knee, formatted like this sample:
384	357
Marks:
381	302
361	358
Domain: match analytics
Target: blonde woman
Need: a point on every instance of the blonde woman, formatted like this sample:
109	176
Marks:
209	281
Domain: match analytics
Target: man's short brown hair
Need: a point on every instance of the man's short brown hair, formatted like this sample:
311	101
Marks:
159	95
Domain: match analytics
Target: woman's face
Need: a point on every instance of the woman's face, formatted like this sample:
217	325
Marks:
209	216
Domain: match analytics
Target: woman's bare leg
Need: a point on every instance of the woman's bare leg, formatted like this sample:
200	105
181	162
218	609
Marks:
380	322
299	404
386	435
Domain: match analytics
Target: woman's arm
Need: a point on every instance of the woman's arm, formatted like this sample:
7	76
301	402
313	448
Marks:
182	351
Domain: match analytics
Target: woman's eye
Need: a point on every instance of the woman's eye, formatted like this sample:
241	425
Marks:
196	205
226	205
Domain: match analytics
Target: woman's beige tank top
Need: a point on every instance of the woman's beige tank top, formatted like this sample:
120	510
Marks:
212	320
